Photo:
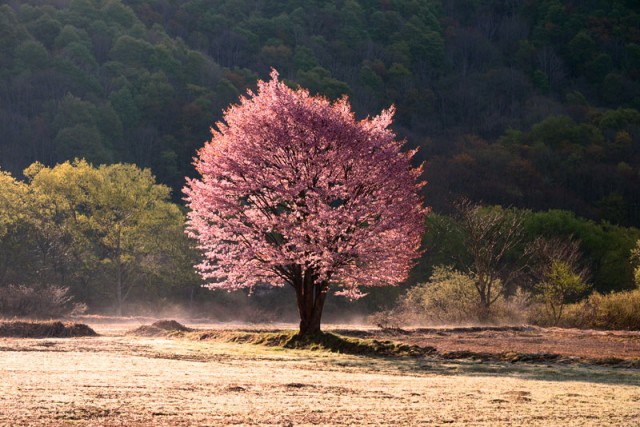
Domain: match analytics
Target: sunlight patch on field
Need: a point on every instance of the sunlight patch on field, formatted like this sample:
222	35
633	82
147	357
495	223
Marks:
141	381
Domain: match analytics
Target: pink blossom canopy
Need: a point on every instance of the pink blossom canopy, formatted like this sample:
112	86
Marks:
292	181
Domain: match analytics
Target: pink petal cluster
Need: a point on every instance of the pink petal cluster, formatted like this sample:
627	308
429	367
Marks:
292	182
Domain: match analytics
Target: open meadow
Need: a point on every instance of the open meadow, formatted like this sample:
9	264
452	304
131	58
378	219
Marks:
215	378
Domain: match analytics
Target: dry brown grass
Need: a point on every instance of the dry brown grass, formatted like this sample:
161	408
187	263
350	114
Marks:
139	381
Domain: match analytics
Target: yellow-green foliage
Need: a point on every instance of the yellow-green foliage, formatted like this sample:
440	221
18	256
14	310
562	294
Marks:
12	194
449	296
560	282
619	310
635	260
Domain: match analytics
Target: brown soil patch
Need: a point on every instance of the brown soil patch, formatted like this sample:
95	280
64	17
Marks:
520	344
17	329
514	344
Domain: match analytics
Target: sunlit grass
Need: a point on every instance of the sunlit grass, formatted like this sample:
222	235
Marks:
137	381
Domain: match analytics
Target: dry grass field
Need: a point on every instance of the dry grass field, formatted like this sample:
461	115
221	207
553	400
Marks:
122	380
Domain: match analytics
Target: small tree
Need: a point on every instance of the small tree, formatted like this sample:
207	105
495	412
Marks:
295	191
560	283
491	235
130	218
559	276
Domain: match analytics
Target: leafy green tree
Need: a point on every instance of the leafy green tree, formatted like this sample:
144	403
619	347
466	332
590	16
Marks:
125	106
444	240
80	55
581	49
9	34
116	12
424	42
82	141
154	96
560	283
116	221
558	274
320	80
129	215
60	252
606	247
45	29
12	200
304	59
31	55
131	51
70	34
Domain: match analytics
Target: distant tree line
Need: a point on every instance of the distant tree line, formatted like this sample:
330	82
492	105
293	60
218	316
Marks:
530	104
488	264
110	238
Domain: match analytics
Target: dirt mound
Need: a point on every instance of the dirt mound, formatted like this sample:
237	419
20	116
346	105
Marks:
15	329
161	328
170	325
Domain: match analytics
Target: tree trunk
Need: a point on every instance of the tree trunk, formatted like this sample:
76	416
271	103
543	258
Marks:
310	296
119	295
118	261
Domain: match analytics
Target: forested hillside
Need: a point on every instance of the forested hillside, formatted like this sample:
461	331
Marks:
88	79
525	103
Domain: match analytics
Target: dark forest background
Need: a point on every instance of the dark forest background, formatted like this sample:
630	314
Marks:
530	104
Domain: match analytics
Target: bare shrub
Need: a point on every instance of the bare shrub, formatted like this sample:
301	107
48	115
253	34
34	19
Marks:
451	297
618	310
50	301
448	297
516	308
390	319
492	236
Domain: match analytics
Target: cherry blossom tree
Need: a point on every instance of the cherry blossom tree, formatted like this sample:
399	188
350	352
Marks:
295	191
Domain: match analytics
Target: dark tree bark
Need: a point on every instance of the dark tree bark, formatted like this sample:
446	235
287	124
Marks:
310	296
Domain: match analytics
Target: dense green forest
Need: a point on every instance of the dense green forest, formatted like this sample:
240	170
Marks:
531	104
525	103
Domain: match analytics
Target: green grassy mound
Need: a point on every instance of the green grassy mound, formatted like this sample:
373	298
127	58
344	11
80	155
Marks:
318	342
